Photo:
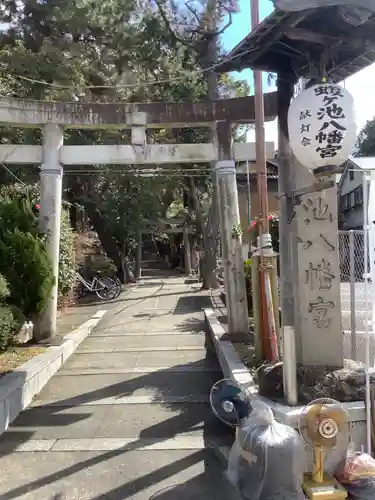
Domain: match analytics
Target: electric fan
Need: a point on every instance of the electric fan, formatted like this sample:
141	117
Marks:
229	403
320	425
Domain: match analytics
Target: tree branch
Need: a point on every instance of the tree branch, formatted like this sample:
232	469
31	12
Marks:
169	28
192	11
211	34
229	23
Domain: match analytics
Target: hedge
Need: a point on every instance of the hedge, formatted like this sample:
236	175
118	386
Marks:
26	219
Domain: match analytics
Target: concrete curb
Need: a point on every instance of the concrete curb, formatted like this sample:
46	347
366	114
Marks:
18	388
234	369
229	360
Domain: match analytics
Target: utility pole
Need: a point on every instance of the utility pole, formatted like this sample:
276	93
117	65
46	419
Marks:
264	260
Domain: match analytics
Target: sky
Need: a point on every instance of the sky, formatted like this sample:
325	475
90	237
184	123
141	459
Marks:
361	85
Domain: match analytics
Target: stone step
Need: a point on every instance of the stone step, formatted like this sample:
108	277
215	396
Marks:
119	330
192	367
94	388
130	421
115	474
142	342
157	360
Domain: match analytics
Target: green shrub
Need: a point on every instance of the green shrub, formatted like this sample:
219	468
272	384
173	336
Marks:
67	265
18	318
25	265
249	291
247	267
4	289
98	264
7	328
17	214
18	207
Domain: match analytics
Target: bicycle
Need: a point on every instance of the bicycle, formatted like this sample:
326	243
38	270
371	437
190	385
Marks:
106	288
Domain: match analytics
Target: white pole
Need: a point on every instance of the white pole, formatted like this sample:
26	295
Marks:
50	218
248	205
234	277
353	339
371	218
367	334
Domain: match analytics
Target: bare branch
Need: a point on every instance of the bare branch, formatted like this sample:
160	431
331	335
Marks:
229	23
192	11
211	34
169	27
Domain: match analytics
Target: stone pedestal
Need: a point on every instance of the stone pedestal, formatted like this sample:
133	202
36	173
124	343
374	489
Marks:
317	278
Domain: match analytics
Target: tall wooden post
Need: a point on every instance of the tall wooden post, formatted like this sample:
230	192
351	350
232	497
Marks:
138	256
187	251
267	326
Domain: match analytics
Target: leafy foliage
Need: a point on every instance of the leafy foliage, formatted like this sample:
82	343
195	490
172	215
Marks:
25	264
25	197
6	326
11	318
4	289
366	139
248	283
82	48
67	265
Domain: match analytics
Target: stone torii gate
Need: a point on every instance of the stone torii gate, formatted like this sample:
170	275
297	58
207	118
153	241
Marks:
54	117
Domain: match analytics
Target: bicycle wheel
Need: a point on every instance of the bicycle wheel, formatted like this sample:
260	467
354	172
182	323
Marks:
106	288
118	286
80	291
117	281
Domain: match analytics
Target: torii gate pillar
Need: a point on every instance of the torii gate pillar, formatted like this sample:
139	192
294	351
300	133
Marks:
50	219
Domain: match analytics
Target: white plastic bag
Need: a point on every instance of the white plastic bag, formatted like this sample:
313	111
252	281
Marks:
266	461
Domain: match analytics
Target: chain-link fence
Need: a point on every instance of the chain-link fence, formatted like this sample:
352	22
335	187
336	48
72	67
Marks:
355	310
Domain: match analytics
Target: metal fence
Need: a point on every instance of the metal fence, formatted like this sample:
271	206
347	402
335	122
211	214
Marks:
355	311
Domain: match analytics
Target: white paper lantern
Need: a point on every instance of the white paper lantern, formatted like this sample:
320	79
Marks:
322	128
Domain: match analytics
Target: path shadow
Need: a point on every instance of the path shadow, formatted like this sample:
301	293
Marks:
211	485
191	325
192	303
187	420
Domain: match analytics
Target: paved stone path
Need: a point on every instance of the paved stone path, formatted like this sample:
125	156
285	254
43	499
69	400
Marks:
128	415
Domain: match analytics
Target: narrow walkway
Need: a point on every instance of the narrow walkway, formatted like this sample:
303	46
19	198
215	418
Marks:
128	414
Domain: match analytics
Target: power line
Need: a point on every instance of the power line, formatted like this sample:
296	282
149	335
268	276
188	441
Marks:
161	174
24	183
132	85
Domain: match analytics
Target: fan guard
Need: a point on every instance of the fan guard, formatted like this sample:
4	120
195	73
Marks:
322	422
229	402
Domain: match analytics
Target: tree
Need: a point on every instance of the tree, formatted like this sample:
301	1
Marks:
80	49
366	139
200	33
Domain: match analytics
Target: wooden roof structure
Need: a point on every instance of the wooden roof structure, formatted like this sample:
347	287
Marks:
298	43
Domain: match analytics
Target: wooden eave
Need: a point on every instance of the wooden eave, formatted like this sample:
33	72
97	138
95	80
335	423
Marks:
296	44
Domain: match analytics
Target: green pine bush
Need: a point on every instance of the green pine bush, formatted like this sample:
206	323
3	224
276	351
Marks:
11	318
25	265
4	289
18	204
7	328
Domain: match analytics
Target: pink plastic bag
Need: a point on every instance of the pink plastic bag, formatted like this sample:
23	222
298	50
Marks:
356	465
357	474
